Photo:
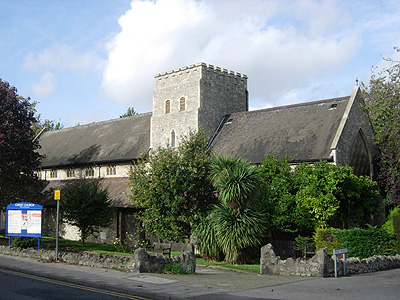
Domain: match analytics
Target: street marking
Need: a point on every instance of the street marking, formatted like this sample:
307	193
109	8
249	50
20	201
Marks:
73	285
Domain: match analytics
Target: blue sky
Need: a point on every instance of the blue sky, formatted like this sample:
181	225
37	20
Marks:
87	61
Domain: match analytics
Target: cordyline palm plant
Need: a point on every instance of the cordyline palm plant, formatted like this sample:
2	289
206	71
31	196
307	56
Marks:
238	221
236	180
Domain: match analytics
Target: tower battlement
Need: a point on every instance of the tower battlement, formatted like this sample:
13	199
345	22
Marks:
208	67
193	97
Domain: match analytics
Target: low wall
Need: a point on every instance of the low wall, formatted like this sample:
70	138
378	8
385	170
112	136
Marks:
322	264
146	263
141	261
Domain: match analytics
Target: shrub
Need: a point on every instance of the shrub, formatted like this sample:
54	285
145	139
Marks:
25	242
388	222
396	227
207	245
361	243
129	244
171	268
323	237
301	244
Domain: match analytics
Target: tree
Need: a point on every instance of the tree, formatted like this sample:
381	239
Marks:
38	124
171	188
86	206
318	195
18	156
330	195
278	192
382	98
238	222
235	179
129	112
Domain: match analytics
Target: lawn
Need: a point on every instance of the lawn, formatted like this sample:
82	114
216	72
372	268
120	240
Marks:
68	245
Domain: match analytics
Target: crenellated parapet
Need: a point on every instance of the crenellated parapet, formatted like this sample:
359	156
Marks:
193	97
207	67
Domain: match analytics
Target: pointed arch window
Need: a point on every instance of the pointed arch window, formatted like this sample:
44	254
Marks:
167	107
173	138
182	104
359	156
89	172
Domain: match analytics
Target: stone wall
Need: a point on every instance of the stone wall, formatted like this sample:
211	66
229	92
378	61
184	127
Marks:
140	262
147	263
322	264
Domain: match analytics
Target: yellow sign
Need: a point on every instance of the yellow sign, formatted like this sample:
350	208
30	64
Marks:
57	195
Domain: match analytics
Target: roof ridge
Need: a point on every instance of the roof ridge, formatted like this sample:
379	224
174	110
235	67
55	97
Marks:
294	105
101	122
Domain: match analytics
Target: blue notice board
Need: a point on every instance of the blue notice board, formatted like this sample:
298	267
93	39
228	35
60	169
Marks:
24	219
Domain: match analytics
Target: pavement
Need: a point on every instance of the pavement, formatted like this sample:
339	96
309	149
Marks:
210	283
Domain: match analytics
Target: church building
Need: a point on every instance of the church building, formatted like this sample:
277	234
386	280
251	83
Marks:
209	97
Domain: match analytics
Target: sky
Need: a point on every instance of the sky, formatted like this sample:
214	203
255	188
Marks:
88	61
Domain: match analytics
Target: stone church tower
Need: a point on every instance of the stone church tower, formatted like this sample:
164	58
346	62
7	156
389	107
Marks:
193	97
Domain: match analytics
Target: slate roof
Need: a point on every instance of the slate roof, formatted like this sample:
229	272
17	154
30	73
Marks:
116	187
118	140
304	131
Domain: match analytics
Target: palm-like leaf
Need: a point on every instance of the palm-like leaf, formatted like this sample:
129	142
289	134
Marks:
237	231
235	179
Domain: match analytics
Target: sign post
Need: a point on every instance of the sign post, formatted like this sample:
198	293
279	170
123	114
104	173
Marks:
57	197
24	219
338	252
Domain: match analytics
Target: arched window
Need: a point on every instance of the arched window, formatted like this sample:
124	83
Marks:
89	172
359	156
53	173
182	104
173	138
70	173
111	170
167	107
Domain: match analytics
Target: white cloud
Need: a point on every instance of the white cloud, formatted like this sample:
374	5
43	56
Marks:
61	57
44	88
280	47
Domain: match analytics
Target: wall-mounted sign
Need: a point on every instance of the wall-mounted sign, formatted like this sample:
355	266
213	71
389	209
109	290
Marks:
24	219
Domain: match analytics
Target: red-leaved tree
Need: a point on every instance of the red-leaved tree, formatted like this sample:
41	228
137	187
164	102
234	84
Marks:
18	156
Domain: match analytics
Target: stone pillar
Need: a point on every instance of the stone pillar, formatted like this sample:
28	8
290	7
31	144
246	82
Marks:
269	262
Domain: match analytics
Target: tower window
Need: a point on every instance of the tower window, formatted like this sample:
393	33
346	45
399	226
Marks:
173	138
182	104
167	107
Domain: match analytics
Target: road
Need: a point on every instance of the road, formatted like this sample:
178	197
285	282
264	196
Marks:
15	285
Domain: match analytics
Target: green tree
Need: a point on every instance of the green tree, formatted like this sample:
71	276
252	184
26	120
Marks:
382	98
172	189
239	220
278	193
18	156
318	195
86	206
332	195
129	112
236	180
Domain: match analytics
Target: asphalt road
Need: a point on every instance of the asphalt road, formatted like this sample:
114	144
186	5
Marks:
14	285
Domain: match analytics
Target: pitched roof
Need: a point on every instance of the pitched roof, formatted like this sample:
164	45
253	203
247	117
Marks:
304	131
123	139
117	189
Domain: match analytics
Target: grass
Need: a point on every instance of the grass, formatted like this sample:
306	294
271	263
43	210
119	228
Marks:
254	268
63	244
